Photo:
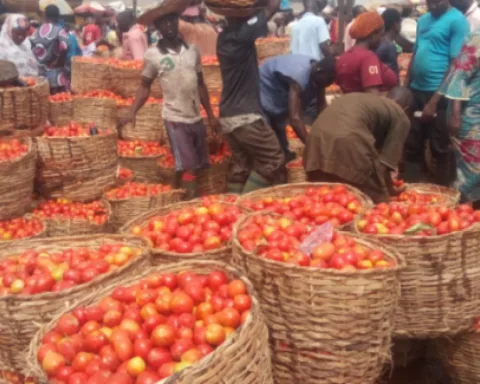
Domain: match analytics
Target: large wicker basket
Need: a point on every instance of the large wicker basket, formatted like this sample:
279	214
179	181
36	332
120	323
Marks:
101	112
213	180
60	113
146	169
21	315
296	173
78	168
269	47
212	77
122	210
448	196
160	256
244	358
460	357
16	186
126	81
90	75
24	107
326	326
149	124
58	227
441	284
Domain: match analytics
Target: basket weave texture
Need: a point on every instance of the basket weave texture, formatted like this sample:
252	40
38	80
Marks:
77	168
149	124
24	107
244	358
21	315
16	186
272	47
125	82
296	175
146	168
124	209
160	256
460	357
309	313
87	76
60	113
213	180
101	112
449	196
296	145
441	284
212	77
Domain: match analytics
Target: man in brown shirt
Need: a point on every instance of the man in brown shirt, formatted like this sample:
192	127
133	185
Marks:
359	140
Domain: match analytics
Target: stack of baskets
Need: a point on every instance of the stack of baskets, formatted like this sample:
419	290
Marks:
24	107
21	315
16	187
90	74
101	111
148	126
77	168
60	112
126	79
145	168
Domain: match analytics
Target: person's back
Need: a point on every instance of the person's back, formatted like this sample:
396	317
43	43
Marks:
439	40
308	34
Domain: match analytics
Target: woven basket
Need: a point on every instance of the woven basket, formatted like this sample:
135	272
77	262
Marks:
149	124
40	235
296	145
289	190
146	168
60	113
212	77
159	256
101	112
58	227
16	186
441	284
167	176
449	197
243	359
213	180
124	209
460	357
21	315
77	168
267	48
326	326
90	76
296	174
126	81
24	107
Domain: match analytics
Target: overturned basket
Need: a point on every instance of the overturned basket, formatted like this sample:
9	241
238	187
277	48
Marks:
122	210
309	313
77	168
243	358
22	315
24	107
440	285
161	256
16	188
90	74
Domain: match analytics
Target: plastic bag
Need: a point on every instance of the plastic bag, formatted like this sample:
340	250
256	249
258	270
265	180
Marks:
321	234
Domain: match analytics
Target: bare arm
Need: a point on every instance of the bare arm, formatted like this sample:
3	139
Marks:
205	100
295	112
326	49
141	98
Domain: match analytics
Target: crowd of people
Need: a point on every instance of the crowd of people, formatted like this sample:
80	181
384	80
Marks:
381	120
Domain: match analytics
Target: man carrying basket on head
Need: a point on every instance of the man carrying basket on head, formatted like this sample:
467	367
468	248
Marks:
178	67
258	159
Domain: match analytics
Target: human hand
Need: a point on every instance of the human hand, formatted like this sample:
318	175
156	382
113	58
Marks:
429	111
129	118
215	125
454	123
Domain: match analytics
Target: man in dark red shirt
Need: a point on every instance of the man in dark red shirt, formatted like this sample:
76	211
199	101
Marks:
91	32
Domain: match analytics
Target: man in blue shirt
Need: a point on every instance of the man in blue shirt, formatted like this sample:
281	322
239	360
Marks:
440	36
310	36
288	83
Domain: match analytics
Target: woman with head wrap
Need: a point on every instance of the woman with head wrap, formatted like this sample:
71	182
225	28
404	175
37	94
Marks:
15	47
359	69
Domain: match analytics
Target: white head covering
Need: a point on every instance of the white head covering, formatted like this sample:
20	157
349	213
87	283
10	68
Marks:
21	55
409	30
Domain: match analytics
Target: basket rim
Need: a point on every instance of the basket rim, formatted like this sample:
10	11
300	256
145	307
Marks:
48	295
75	138
41	81
138	198
255	316
171	208
23	156
35	237
104	202
392	253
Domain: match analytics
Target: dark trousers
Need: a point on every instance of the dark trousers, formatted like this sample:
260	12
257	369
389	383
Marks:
436	132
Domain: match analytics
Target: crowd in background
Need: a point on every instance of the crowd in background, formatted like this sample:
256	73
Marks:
443	75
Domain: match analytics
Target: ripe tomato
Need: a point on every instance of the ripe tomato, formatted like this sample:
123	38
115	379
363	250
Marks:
236	287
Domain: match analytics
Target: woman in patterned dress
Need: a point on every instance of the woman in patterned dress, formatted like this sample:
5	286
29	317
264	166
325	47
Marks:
50	46
15	47
462	87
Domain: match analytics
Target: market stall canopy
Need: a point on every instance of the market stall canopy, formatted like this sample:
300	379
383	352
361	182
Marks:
90	7
62	5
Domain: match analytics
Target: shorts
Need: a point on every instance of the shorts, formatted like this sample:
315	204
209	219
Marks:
188	145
